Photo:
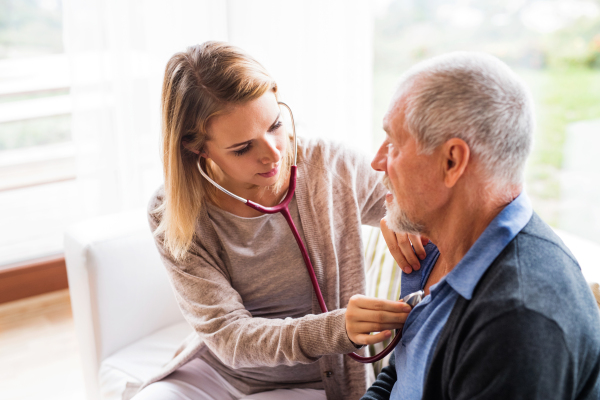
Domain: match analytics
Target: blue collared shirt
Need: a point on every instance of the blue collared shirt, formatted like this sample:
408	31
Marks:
424	325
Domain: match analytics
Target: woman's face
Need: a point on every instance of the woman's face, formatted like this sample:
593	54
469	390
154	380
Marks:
248	144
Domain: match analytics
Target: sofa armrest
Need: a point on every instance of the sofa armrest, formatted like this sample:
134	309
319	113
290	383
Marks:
120	292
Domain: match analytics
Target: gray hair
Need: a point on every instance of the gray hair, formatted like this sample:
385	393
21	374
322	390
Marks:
477	98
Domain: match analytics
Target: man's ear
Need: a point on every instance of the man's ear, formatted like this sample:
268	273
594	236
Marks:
456	154
190	148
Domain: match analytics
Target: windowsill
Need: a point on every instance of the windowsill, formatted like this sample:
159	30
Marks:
37	165
31	278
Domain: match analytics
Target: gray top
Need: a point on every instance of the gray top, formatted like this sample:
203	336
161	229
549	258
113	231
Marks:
337	192
268	272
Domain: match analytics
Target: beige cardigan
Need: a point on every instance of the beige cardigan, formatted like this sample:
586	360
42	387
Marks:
337	192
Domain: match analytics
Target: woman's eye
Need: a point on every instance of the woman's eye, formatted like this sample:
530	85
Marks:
243	150
276	126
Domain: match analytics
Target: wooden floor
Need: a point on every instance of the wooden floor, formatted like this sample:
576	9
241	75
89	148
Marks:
39	357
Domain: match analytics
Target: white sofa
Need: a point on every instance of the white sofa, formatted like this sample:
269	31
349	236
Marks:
128	323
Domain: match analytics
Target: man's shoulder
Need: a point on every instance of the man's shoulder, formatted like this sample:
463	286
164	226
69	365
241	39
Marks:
534	265
548	273
537	273
538	232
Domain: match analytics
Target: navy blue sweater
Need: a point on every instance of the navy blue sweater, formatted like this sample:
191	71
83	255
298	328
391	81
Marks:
531	330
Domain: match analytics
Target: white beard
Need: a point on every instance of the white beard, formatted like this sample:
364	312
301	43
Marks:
396	218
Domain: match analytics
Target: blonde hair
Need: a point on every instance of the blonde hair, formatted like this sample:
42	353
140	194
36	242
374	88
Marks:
200	83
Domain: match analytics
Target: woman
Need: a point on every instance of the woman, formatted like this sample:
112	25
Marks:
238	275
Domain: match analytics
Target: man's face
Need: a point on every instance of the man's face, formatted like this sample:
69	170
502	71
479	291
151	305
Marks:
410	177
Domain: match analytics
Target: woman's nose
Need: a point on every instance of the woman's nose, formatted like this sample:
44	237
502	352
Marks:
271	153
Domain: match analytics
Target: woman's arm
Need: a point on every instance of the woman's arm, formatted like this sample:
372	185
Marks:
216	312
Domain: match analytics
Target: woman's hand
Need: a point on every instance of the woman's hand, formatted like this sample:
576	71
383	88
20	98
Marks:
400	247
368	314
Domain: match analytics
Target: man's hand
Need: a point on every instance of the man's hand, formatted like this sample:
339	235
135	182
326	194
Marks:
400	247
368	314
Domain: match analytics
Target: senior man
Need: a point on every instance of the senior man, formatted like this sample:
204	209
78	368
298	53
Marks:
508	314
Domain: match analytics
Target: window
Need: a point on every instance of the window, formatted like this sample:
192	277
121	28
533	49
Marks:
116	56
37	164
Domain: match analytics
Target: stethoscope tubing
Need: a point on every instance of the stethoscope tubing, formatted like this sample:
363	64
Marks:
283	208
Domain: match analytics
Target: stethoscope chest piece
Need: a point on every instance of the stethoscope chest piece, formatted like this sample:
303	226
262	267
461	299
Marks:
414	298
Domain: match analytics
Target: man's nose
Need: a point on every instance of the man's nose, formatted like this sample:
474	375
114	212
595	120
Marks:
380	160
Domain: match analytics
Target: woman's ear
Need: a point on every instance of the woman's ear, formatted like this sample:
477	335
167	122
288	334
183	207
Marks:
190	148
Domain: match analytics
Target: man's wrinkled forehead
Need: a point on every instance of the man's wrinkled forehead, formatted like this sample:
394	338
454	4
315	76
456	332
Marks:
395	113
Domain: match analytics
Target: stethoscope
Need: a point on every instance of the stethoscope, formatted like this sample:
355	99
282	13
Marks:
412	299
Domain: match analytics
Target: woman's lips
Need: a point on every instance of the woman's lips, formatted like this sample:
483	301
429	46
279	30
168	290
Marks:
271	173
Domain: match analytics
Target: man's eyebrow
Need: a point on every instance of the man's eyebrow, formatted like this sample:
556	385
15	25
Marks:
248	141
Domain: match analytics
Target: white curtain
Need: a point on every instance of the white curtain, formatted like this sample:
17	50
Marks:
318	51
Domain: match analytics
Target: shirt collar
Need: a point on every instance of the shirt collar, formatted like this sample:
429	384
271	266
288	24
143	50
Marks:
499	233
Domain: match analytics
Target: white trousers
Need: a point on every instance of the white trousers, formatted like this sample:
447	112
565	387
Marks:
199	381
